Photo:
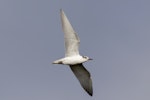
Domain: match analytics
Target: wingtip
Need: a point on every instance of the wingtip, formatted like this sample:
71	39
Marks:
61	10
90	93
62	13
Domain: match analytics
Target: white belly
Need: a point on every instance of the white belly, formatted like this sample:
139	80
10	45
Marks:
73	60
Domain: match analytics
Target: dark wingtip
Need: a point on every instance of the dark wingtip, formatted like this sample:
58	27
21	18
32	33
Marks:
90	93
61	10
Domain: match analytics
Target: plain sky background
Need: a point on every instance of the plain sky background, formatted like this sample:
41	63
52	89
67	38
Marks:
115	33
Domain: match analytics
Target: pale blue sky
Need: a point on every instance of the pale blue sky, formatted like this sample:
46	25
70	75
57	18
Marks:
115	33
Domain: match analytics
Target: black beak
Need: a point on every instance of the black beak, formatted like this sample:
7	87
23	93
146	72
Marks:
90	59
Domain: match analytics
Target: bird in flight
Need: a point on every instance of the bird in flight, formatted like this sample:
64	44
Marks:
72	56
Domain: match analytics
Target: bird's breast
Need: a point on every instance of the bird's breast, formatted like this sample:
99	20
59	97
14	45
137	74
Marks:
73	60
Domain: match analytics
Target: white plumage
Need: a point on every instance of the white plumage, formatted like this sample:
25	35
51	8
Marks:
72	56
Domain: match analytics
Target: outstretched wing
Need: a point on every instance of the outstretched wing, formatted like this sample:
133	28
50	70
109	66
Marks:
71	38
83	76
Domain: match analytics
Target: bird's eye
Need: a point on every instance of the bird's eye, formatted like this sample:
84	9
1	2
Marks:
84	57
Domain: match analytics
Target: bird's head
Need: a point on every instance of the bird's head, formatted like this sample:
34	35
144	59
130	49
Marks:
87	58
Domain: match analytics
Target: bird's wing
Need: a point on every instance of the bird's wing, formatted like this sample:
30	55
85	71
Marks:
71	38
83	76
